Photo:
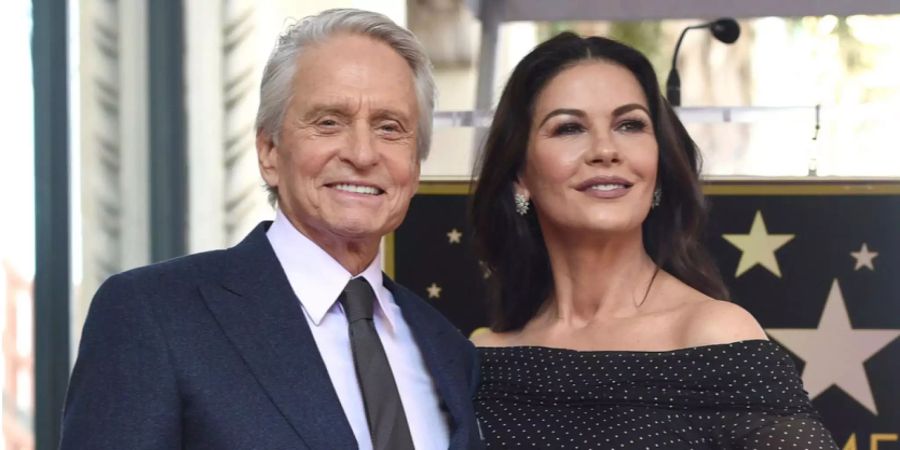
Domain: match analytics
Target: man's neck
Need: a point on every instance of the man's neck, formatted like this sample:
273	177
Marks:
353	254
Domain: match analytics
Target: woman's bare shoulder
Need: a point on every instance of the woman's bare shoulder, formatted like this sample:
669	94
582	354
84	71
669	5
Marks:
484	337
703	320
708	321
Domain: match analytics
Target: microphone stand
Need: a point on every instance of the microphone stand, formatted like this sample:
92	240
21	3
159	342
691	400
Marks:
673	82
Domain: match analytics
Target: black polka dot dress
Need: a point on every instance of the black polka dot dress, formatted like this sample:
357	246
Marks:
744	395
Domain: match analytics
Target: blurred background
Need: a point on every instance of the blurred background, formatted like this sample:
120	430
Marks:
129	127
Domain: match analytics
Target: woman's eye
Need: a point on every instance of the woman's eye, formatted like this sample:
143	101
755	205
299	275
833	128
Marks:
633	125
328	123
567	129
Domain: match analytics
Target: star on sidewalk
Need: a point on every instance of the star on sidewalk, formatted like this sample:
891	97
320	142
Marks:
834	352
864	258
758	247
434	291
454	236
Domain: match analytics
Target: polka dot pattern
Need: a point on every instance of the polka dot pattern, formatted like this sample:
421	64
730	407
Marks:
744	395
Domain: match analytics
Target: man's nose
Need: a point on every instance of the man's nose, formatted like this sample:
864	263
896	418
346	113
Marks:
360	151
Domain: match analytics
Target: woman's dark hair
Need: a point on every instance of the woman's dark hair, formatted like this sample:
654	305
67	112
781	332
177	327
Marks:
512	246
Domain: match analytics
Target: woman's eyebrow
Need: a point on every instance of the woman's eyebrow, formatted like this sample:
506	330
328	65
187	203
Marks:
560	111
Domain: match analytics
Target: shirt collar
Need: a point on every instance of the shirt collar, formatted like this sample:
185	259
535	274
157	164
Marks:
315	276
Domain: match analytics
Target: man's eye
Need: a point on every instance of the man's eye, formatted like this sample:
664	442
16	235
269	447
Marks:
328	123
390	128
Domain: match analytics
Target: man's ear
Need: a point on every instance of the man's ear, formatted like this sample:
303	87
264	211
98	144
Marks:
267	157
418	170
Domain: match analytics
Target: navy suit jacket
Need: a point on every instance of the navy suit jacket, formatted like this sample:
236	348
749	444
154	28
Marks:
212	351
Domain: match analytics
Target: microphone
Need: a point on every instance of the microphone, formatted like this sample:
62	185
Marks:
725	30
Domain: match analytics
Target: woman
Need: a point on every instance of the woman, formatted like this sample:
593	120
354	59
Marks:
606	329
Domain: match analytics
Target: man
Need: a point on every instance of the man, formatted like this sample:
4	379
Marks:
293	339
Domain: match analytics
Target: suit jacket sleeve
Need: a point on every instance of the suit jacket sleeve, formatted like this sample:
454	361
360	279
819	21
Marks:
123	392
475	372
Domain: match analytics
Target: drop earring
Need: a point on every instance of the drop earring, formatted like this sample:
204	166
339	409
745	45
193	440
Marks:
521	204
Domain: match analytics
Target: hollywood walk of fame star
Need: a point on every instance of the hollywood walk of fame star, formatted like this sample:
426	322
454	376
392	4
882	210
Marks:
434	291
864	258
834	352
454	236
758	247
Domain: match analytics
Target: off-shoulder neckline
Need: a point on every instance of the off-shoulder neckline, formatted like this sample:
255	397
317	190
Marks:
543	348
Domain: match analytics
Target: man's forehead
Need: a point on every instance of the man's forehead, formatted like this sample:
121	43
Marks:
356	104
353	52
349	73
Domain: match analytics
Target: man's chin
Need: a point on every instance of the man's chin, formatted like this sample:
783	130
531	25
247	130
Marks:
359	230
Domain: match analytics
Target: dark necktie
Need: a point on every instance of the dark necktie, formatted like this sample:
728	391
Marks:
384	411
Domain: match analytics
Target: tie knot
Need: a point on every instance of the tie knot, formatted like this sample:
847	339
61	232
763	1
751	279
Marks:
358	300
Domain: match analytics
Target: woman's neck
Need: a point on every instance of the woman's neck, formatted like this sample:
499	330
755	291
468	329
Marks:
596	278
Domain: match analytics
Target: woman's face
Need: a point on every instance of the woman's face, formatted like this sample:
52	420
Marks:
592	155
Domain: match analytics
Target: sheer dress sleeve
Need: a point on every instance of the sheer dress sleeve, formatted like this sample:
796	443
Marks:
796	431
777	413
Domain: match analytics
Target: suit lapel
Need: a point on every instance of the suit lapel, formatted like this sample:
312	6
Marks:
256	307
445	370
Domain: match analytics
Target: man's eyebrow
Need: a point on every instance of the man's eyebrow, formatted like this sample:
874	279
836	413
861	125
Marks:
327	108
345	109
391	113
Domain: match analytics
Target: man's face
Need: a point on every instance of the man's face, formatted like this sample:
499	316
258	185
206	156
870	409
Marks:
345	162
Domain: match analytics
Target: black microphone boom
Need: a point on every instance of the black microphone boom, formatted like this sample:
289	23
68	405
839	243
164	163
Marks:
725	30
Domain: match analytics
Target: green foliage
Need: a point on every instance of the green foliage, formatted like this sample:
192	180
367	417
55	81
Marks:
646	36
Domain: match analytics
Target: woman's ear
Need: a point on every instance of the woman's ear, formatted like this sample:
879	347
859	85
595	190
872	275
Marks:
520	188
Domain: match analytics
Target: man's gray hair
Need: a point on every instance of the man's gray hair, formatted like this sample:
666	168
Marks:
275	92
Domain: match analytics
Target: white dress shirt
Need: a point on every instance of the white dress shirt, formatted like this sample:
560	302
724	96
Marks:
318	279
